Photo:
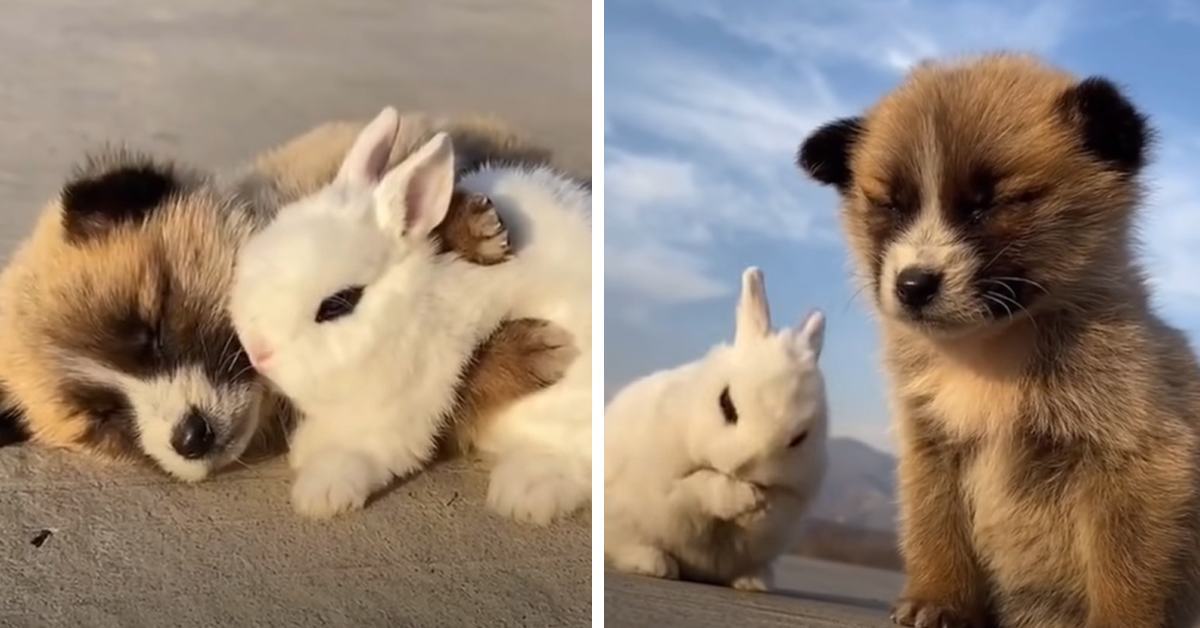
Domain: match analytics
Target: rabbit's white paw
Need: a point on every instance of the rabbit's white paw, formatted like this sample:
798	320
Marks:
729	498
534	490
335	483
644	560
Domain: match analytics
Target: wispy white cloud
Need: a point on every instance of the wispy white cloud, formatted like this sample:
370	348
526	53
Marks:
739	130
887	34
655	274
1171	236
736	114
1183	11
638	183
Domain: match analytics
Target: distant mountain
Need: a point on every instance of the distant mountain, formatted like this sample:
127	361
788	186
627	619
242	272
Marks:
854	518
859	489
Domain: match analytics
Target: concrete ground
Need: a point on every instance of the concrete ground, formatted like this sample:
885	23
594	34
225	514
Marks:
83	544
810	593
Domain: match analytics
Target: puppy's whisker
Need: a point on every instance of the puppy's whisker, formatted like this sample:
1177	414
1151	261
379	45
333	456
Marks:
1002	285
243	371
1021	308
853	296
994	298
228	339
1027	281
997	256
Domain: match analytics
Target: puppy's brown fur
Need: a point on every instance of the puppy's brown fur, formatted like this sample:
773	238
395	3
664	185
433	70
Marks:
1047	417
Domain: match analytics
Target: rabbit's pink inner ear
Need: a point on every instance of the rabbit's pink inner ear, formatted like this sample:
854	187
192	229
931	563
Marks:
428	195
753	313
414	197
368	156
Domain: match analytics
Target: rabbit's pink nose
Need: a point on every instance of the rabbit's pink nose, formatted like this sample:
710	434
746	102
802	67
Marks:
259	354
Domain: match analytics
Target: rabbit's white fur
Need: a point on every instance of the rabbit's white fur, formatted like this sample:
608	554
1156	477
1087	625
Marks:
377	385
690	494
542	443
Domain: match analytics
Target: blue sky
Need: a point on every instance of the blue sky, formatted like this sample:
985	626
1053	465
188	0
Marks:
707	100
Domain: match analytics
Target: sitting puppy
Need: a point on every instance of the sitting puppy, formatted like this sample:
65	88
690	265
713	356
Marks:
1047	416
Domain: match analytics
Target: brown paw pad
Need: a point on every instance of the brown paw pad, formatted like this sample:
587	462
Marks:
485	233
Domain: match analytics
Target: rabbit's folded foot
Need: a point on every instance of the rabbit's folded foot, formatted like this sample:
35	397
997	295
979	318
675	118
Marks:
337	482
644	560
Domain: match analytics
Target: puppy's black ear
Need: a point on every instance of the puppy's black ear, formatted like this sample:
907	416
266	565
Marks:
825	155
112	190
12	422
1109	125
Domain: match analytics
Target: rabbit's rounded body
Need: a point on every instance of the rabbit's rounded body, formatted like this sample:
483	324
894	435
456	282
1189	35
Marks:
541	443
346	305
691	493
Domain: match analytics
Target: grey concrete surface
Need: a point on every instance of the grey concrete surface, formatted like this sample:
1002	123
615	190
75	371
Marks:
212	82
810	593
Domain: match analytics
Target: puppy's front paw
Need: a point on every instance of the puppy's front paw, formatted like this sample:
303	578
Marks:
540	349
336	483
926	614
534	491
473	229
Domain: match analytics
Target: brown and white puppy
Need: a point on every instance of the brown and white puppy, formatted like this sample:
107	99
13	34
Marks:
1047	417
114	336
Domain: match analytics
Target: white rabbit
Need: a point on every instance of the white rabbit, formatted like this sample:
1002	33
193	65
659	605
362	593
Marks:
708	466
344	304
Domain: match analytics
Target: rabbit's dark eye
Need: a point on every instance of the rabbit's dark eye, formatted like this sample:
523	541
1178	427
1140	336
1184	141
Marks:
727	408
795	442
339	304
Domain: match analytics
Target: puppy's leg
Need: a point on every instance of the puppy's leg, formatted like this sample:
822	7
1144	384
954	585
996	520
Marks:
305	163
473	229
945	586
521	357
716	495
1134	523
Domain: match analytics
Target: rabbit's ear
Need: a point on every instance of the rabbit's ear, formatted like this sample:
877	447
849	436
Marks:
414	197
753	315
810	336
368	157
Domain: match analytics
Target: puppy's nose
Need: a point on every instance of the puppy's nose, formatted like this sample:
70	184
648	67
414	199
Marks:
917	287
193	437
